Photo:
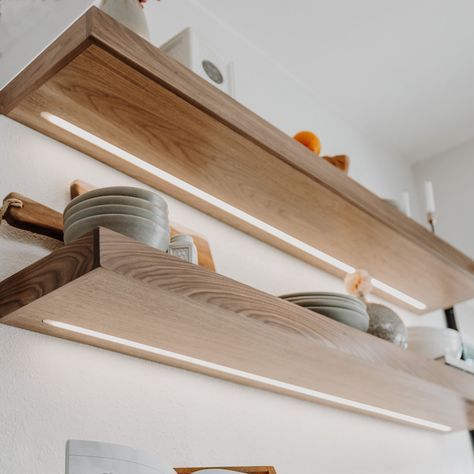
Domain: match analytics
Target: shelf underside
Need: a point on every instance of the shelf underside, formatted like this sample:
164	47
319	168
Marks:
186	316
106	80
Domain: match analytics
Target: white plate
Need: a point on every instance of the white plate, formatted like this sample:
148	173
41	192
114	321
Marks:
159	218
129	191
332	299
328	302
320	293
115	199
349	317
138	228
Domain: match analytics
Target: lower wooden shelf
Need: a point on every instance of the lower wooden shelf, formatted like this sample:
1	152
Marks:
109	291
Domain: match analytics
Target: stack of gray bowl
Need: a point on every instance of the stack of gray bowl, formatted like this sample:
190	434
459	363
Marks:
135	212
340	307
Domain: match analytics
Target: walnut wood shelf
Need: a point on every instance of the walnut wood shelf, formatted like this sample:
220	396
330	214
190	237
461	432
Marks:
107	80
113	285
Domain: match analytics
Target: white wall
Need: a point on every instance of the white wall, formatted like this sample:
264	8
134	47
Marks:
452	175
52	390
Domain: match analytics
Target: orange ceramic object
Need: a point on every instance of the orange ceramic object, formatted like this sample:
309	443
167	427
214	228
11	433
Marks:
309	140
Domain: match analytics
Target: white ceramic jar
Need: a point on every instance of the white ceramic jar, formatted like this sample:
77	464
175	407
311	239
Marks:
182	246
128	12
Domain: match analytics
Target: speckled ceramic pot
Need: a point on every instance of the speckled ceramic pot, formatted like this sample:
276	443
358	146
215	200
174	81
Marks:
386	324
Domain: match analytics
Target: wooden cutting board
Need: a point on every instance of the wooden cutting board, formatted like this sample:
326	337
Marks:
36	217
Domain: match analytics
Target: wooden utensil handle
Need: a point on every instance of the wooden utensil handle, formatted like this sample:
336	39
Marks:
34	217
339	161
79	187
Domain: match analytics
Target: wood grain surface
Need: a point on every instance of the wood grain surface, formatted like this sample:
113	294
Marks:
140	294
205	258
40	219
50	273
122	89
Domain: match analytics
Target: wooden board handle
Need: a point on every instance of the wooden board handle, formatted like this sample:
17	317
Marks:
35	217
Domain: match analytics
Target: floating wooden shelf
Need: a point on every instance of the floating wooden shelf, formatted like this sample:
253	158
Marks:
110	291
110	82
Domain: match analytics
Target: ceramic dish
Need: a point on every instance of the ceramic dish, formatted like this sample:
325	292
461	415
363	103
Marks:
161	219
337	308
317	294
121	191
115	200
355	319
434	343
468	347
328	302
330	299
138	228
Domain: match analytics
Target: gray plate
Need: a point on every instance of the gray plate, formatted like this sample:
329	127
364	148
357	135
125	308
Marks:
332	303
135	227
121	191
319	293
161	219
345	316
335	299
118	200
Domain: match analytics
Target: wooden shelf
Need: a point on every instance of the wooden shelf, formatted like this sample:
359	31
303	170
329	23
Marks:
108	81
164	309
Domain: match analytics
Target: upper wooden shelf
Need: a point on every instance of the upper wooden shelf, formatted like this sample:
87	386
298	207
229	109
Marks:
212	153
113	292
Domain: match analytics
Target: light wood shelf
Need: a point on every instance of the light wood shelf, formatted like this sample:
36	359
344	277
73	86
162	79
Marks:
202	321
107	80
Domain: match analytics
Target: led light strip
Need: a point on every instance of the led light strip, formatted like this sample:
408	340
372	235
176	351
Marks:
189	188
249	376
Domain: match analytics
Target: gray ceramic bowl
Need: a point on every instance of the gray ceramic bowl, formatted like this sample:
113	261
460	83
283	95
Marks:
116	200
161	219
135	227
129	191
355	319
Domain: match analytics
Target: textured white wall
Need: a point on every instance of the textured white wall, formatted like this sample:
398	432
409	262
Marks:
452	175
52	390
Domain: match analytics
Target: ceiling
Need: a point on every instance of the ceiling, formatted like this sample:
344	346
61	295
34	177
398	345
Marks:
401	71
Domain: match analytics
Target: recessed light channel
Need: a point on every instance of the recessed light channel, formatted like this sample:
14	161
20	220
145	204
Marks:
189	188
249	376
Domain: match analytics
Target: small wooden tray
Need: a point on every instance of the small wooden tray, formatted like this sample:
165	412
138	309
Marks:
245	469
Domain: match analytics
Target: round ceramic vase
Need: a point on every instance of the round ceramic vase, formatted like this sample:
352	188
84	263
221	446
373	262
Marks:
386	324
